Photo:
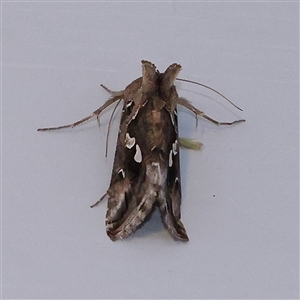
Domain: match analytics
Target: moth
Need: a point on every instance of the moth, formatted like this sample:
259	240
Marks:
146	168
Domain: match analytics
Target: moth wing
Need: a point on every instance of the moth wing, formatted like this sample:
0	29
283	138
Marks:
170	203
128	205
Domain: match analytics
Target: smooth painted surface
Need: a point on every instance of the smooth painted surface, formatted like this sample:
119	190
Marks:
240	191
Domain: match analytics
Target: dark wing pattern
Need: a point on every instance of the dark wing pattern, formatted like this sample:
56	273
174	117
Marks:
146	167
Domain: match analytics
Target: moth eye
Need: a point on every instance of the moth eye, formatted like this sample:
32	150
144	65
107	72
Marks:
138	154
122	173
129	141
171	158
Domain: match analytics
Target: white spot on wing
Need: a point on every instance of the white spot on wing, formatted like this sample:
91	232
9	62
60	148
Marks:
156	174
129	103
138	154
135	114
171	158
172	119
175	147
122	172
129	141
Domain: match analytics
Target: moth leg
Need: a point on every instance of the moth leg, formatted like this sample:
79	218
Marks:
182	101
113	93
97	202
95	113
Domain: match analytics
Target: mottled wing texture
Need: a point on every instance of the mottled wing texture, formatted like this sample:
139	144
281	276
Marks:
146	169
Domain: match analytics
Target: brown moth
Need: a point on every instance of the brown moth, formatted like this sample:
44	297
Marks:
146	169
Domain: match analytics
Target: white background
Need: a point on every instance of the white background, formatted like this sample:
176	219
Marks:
240	192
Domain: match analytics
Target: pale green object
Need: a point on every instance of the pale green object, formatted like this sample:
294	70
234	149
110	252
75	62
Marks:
190	143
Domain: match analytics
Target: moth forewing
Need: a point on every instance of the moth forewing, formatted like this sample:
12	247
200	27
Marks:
146	168
147	156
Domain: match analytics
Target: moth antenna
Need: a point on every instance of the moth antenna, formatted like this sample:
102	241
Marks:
210	88
109	124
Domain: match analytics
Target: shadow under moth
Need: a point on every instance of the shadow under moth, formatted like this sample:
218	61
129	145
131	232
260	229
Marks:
146	169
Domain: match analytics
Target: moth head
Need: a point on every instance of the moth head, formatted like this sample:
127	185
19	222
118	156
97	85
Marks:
149	75
170	75
162	83
167	88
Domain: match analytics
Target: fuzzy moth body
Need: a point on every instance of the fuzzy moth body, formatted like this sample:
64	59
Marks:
146	168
